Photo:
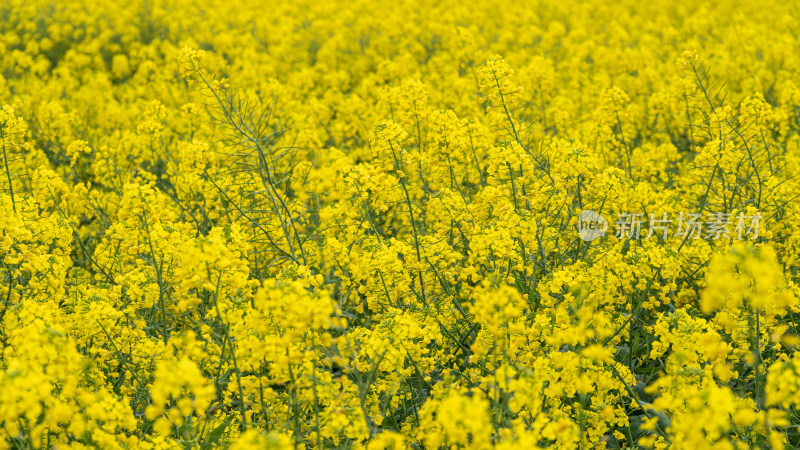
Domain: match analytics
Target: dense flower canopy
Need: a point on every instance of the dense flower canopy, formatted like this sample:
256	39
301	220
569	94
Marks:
329	224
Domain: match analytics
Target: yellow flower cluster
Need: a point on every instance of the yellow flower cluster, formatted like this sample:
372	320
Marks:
368	225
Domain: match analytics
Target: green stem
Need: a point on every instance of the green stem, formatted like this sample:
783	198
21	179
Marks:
8	174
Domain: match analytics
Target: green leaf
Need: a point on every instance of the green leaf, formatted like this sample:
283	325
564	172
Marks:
217	432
